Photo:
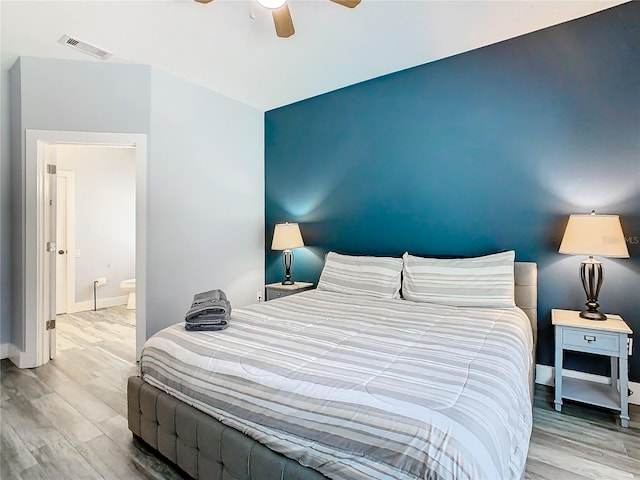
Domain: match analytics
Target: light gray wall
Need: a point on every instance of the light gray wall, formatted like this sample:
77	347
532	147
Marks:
206	198
12	288
84	96
105	227
73	96
5	210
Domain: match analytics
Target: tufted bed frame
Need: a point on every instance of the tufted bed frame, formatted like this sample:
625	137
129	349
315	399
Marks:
204	448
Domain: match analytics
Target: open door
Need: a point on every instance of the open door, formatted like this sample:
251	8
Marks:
37	288
61	244
51	252
65	228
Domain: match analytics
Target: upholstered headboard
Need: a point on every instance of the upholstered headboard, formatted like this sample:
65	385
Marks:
526	292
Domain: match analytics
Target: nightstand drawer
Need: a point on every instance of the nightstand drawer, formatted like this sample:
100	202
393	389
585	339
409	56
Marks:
591	341
277	290
272	293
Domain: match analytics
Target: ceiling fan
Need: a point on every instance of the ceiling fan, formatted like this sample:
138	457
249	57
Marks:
282	17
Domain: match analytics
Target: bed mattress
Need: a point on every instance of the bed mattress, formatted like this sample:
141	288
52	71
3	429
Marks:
362	388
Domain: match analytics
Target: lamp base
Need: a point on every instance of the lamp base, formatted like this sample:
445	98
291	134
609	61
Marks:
287	259
593	315
591	274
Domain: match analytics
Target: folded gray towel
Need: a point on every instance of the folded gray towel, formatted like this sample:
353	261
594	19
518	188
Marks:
209	296
201	327
206	318
217	320
213	302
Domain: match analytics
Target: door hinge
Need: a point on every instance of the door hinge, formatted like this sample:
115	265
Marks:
51	169
51	324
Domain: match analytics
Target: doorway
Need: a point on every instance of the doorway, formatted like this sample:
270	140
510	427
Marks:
103	237
40	252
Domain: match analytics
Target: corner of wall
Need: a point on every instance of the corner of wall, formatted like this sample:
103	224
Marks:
5	210
14	254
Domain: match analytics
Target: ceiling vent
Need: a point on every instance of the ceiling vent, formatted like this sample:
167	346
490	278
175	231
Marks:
85	47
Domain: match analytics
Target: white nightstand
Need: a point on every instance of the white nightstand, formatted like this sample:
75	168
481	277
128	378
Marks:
608	337
277	290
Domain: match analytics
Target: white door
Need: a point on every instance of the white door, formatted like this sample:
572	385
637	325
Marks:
49	210
61	246
64	241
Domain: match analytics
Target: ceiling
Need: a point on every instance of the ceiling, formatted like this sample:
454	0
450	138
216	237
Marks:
218	46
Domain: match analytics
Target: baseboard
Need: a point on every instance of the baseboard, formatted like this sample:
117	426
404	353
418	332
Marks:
19	358
4	351
545	376
101	303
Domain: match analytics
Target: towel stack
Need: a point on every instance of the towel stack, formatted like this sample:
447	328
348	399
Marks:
209	311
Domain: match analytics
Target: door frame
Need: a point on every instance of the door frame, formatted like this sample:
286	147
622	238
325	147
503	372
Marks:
70	287
35	332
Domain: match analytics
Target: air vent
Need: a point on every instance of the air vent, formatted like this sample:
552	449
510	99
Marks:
85	47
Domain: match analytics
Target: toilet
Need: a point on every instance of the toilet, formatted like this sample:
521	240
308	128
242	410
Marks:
130	287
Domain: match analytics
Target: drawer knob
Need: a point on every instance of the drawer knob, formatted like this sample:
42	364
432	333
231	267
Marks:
590	338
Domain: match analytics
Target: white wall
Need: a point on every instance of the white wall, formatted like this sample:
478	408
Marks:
105	196
206	198
205	183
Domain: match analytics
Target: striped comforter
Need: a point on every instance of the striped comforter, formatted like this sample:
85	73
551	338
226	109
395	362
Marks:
362	388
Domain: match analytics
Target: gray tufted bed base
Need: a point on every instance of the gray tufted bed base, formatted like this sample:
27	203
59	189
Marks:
199	444
204	448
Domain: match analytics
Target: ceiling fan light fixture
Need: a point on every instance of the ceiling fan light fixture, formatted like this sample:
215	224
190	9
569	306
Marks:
272	4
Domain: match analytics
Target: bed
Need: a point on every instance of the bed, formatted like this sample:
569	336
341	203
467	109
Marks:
332	384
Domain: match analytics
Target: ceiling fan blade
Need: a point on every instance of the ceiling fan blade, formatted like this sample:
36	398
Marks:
283	22
347	3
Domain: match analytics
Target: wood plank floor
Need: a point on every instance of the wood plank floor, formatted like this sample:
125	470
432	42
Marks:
67	419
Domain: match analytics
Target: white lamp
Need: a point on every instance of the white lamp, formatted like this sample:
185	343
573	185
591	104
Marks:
591	235
287	236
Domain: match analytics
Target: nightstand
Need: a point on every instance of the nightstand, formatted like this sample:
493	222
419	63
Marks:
607	337
278	290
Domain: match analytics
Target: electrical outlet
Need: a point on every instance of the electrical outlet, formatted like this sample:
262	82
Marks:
259	296
100	281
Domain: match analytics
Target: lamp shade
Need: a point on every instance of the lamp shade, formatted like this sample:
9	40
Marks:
273	4
286	236
593	234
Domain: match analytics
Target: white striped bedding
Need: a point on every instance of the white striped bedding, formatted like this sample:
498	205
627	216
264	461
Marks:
361	387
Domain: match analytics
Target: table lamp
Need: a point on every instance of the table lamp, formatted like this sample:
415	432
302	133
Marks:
591	235
287	236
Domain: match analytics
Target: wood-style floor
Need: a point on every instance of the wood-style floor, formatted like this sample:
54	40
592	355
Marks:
67	419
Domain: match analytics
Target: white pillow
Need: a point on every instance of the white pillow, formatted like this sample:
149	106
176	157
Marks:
462	282
361	275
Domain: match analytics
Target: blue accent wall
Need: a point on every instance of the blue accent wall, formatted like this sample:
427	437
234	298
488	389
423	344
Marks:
485	151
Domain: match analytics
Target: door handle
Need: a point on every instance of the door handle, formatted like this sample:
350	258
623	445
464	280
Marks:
61	252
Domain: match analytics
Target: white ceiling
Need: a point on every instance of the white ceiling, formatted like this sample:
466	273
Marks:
218	46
